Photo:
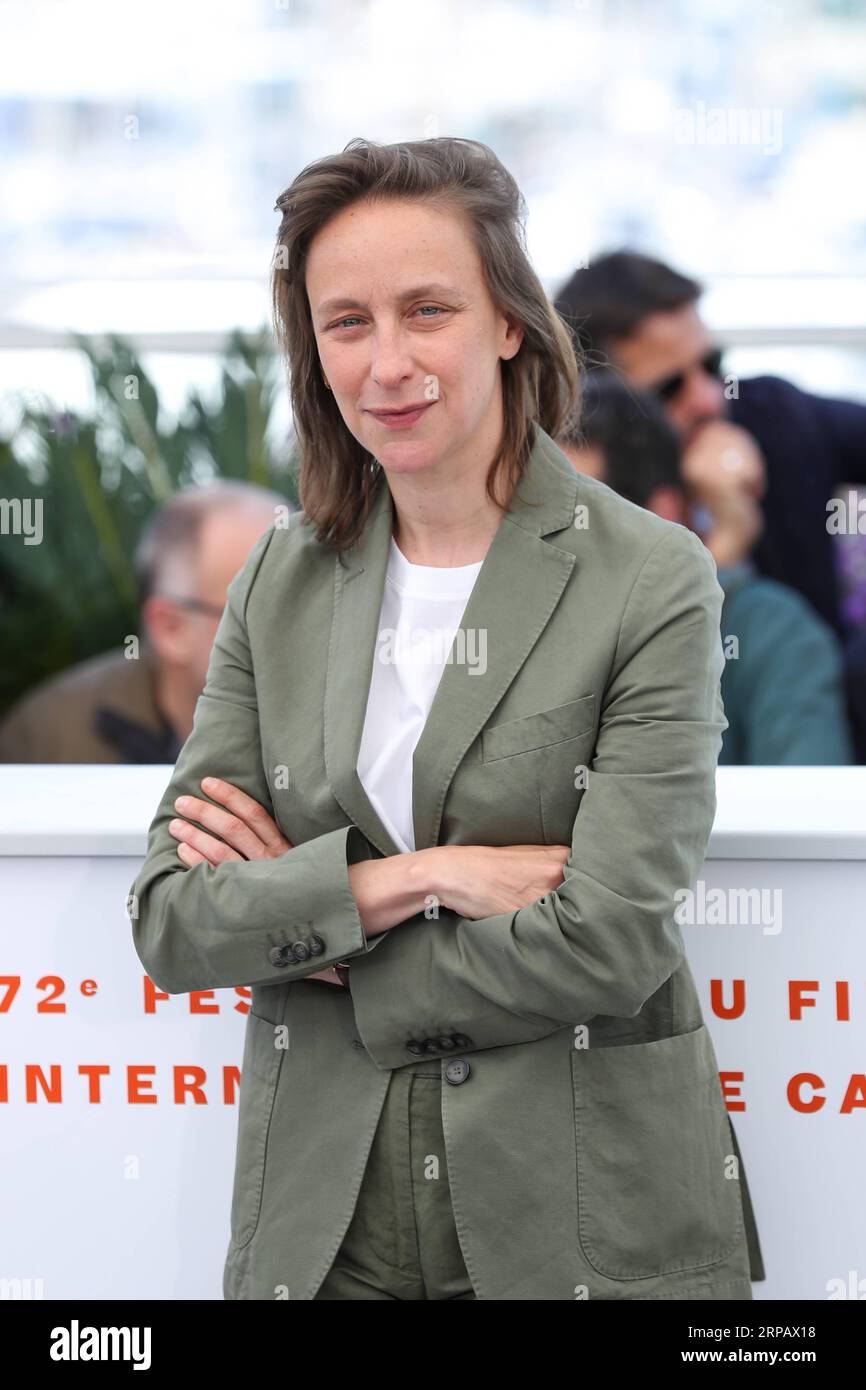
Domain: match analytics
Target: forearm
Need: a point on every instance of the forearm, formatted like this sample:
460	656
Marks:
263	921
514	977
392	889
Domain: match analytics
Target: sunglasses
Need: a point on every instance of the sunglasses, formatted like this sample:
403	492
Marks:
670	386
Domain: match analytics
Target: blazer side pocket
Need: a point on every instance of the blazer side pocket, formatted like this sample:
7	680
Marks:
540	730
653	1145
260	1070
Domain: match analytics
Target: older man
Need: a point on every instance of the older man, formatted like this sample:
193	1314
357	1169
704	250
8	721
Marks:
135	703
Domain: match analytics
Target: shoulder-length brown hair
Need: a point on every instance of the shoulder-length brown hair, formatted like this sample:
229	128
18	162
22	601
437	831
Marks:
338	477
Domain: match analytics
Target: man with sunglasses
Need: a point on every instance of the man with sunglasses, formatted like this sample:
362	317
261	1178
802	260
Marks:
639	317
131	705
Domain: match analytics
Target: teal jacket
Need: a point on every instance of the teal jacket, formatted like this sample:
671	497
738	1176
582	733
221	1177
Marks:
590	1153
783	686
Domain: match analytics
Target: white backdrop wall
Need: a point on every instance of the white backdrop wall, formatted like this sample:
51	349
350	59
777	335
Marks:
118	1106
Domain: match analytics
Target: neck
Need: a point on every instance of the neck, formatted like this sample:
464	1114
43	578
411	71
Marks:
443	515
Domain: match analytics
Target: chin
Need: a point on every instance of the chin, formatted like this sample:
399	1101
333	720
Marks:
405	456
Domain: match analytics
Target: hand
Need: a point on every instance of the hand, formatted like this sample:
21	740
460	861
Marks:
479	881
723	461
329	975
246	827
723	469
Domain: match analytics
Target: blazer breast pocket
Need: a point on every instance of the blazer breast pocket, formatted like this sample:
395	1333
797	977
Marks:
542	730
536	762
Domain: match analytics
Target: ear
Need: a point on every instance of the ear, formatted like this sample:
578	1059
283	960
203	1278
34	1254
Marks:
514	335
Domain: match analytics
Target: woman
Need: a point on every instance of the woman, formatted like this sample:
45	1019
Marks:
515	1096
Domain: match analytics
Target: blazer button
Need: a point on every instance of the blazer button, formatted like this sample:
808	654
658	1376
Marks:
277	955
457	1070
300	951
447	1044
461	1040
415	1047
431	1045
316	945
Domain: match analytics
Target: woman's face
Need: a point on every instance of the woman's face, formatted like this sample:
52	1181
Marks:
403	317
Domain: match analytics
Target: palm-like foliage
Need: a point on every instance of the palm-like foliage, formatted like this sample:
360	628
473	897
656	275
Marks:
97	481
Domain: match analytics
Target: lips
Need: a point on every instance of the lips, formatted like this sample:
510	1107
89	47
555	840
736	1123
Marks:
401	418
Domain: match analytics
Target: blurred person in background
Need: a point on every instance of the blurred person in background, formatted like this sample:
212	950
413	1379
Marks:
128	707
783	681
639	316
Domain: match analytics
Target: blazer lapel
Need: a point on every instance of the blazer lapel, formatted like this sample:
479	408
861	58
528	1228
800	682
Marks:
359	583
517	590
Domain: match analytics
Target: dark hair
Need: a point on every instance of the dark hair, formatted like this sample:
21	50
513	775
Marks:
611	297
174	529
337	477
640	447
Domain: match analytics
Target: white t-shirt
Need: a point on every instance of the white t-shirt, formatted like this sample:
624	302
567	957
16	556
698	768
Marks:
422	606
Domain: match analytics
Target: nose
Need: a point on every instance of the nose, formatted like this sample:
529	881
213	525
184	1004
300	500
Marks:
391	363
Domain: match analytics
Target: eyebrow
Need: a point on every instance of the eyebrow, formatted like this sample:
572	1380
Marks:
433	289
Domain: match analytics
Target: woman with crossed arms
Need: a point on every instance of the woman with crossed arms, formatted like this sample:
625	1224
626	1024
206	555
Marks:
454	758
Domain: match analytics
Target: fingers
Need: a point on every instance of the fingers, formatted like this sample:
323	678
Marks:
249	811
256	841
558	852
189	855
200	843
542	849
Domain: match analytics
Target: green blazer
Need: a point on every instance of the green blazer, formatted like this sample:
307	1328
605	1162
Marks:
589	1149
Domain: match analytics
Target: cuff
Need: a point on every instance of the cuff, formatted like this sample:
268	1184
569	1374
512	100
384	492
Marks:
324	925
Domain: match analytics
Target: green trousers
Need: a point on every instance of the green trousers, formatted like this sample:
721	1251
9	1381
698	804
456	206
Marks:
402	1240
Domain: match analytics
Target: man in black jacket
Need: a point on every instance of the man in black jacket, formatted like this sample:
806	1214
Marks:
639	317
